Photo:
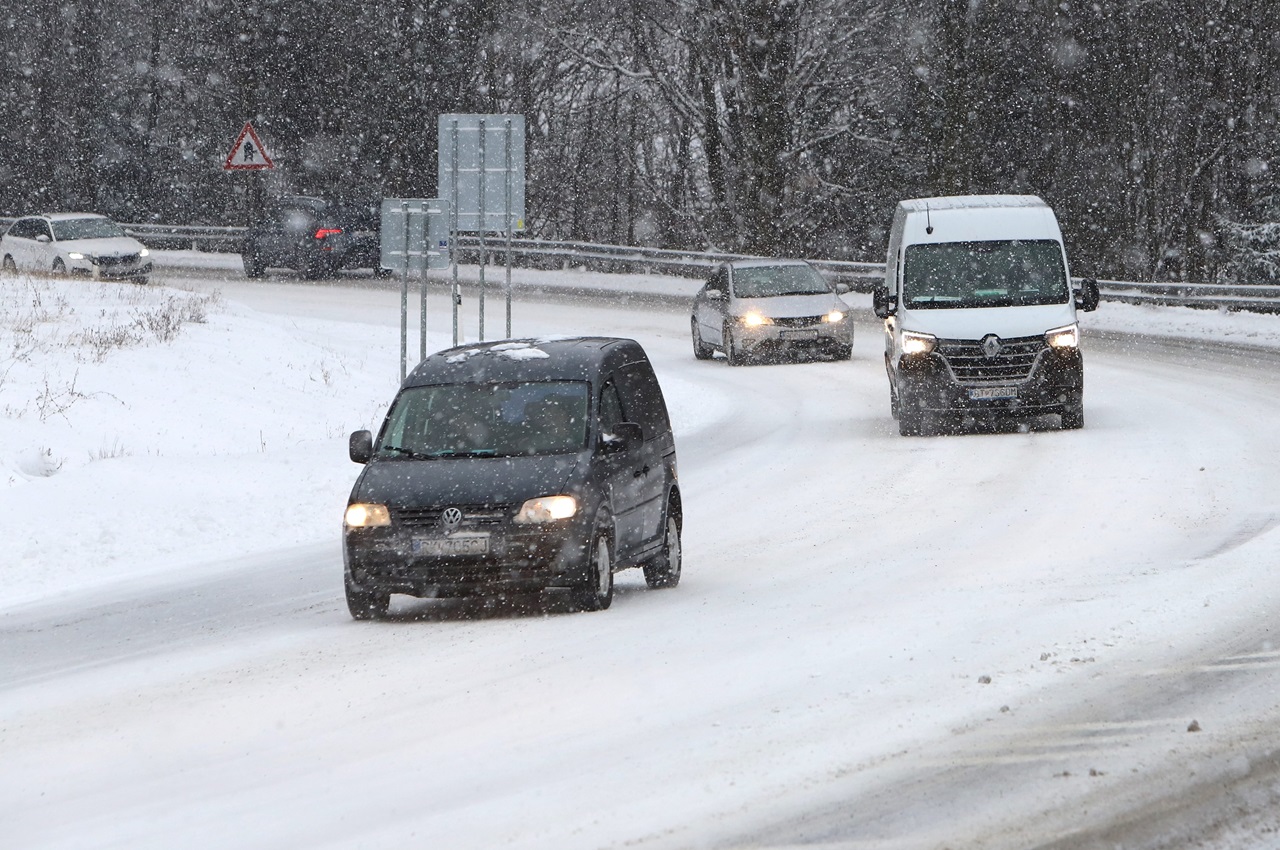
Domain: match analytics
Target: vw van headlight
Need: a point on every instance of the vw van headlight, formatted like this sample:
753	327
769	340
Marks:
1066	337
360	515
914	343
546	509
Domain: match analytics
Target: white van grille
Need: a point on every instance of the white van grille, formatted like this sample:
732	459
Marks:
971	365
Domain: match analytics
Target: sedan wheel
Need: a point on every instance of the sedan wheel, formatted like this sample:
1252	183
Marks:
9	267
59	267
700	350
731	353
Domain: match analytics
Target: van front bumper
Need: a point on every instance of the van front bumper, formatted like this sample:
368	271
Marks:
1055	384
518	560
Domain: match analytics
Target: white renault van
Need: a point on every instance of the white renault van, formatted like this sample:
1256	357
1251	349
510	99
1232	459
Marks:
980	314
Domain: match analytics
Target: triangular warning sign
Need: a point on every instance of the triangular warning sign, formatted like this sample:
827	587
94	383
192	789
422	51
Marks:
248	153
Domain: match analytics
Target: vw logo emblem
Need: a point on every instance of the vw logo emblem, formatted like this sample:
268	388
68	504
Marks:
451	518
991	345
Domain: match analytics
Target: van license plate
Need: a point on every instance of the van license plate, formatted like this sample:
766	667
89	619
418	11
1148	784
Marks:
458	544
993	392
804	334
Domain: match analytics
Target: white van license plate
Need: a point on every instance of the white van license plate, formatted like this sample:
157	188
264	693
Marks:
458	544
993	392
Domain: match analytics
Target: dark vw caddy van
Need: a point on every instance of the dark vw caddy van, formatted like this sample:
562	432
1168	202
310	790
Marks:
517	466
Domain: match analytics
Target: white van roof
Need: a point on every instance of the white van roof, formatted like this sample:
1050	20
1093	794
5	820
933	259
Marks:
972	218
971	202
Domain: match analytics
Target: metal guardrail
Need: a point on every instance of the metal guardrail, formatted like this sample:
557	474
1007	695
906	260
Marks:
1257	298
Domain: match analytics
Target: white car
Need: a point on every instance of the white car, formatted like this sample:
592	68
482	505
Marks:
82	244
750	308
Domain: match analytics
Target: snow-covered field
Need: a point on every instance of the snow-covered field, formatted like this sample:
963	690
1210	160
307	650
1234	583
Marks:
989	640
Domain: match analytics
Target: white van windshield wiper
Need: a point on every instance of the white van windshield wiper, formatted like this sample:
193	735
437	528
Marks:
463	453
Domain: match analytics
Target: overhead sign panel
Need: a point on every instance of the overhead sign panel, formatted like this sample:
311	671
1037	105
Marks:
248	153
481	170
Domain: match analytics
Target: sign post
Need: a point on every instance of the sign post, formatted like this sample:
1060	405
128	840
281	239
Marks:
248	153
473	150
415	240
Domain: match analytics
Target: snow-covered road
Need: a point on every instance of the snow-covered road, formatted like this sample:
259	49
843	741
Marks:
975	641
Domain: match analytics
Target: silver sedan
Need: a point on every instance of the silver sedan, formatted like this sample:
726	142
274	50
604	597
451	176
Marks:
749	308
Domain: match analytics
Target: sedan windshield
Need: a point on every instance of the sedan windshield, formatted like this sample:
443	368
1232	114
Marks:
768	281
1005	273
487	420
86	228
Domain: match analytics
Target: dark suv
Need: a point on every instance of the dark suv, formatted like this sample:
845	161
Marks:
517	466
314	237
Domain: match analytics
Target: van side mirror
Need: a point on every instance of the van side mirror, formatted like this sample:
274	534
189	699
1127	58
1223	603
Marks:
624	435
1088	296
882	302
360	446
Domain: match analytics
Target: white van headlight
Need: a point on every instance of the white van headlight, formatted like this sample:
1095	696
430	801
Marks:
1065	337
918	343
366	516
546	509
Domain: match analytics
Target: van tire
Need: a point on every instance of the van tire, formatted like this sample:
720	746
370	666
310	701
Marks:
911	421
596	592
1073	417
664	569
366	604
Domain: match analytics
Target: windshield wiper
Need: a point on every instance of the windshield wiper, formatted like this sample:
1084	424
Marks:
410	453
463	453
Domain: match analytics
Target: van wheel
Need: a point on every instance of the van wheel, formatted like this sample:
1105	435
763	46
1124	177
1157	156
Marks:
664	570
911	421
1073	417
700	351
366	604
596	594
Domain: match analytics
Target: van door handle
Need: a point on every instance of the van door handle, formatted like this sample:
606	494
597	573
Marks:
642	472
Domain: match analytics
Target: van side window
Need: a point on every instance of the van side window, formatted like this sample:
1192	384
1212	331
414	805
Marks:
643	400
610	409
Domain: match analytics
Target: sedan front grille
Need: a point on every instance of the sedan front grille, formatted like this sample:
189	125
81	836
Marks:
971	365
108	262
473	516
798	321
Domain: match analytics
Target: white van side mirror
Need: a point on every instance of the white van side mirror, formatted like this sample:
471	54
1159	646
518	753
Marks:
882	303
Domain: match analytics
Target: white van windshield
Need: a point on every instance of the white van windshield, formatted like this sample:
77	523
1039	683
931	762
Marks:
1003	273
487	420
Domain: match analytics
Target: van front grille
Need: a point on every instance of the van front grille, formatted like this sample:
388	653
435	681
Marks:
1012	364
473	516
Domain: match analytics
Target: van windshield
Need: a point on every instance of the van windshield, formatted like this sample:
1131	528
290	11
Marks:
486	420
1004	273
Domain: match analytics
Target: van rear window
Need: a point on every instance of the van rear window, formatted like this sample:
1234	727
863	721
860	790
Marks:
1000	273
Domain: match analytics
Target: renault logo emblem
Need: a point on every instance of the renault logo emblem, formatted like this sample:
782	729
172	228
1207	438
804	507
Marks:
451	518
991	345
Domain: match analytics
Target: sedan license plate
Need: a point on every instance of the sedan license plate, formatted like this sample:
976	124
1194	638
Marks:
457	544
993	392
801	334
